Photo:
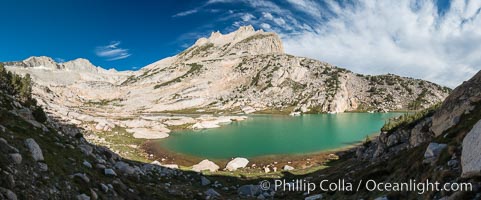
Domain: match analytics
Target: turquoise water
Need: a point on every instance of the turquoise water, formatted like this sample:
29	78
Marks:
262	135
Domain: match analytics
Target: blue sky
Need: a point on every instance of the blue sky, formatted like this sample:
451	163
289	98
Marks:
438	40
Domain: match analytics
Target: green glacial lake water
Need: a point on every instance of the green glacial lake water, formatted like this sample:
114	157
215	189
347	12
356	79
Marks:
262	135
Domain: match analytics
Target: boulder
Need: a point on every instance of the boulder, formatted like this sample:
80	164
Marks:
453	163
392	140
42	167
287	168
8	194
104	188
16	158
382	198
83	197
9	180
34	149
211	193
295	114
87	164
86	149
248	110
433	151
204	181
249	191
104	126
124	168
109	172
420	133
205	165
93	194
206	125
82	177
470	156
171	166
6	148
314	197
237	163
149	133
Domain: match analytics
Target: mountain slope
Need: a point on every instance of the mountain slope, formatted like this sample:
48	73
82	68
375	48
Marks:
405	150
239	70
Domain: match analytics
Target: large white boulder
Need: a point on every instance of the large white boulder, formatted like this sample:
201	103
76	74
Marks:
104	125
288	168
207	121
248	110
205	165
34	149
471	157
237	163
149	133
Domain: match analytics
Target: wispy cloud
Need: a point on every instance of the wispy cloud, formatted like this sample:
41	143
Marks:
408	38
247	17
185	13
202	8
112	51
307	6
266	26
219	1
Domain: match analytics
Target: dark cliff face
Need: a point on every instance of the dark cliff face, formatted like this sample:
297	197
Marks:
461	100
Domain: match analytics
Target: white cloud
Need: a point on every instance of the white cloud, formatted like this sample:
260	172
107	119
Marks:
278	20
201	8
112	51
185	13
267	15
219	1
407	38
265	26
247	17
307	6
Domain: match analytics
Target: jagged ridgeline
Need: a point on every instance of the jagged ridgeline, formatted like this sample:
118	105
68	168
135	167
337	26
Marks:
232	72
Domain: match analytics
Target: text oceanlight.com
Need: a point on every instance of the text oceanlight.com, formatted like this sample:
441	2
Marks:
300	185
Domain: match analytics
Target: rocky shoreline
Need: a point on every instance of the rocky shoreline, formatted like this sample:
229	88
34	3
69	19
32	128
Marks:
302	162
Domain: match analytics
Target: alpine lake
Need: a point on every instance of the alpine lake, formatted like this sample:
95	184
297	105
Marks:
270	135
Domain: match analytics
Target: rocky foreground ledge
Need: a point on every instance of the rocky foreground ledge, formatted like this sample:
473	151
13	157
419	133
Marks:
53	160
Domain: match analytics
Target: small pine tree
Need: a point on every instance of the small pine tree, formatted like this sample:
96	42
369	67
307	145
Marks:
16	82
3	77
25	88
39	114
